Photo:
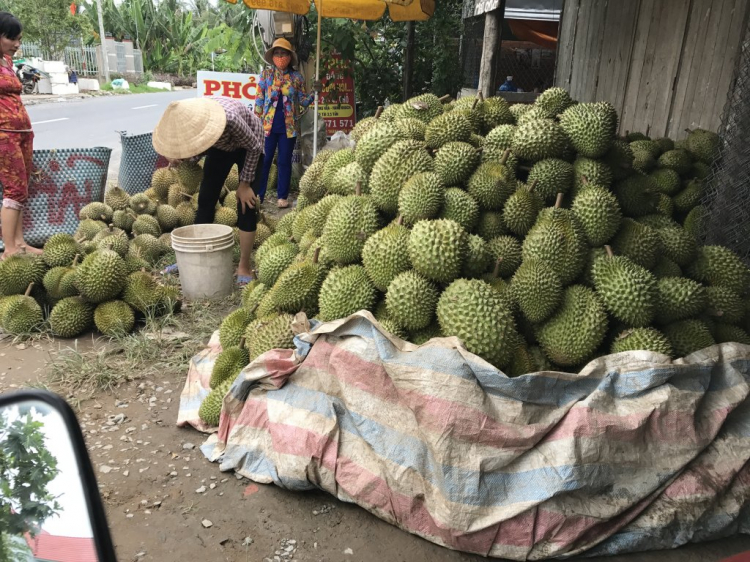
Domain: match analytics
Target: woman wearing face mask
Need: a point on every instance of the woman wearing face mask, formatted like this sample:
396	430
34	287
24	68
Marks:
16	141
281	94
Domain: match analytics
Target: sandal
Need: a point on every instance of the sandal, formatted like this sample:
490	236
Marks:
243	280
170	270
282	204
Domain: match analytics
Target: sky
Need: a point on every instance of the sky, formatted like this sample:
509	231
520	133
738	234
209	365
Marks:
73	519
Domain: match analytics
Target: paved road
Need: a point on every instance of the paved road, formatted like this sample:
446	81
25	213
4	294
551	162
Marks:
95	121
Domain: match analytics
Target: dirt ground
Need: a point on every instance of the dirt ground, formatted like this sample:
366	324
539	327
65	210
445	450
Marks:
160	492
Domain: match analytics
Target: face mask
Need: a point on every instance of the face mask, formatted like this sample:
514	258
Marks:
281	61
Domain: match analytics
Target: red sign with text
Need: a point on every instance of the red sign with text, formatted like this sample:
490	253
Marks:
337	103
243	87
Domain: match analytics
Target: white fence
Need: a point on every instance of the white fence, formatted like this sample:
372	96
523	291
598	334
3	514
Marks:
85	60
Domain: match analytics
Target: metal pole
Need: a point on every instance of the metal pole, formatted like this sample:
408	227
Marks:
105	59
317	79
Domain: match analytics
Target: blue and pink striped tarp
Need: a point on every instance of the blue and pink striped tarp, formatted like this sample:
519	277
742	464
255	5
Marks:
633	453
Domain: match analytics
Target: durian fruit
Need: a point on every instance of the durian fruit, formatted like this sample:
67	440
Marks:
478	257
142	292
60	250
725	305
507	250
719	266
537	290
362	126
643	160
491	184
21	314
590	127
350	223
375	143
688	336
495	111
553	101
619	159
114	318
652	147
386	254
162	179
142	205
538	139
724	333
421	337
252	294
576	330
133	262
473	311
297	288
449	127
557	239
311	185
694	221
521	209
274	262
189	175
167	218
335	163
461	207
689	197
96	211
679	298
117	198
59	282
678	160
421	198
123	220
598	213
394	168
519	109
497	141
146	224
229	363
490	225
677	244
275	240
703	145
148	247
550	177
411	300
595	171
230	201
628	290
437	249
233	327
345	291
667	181
638	242
649	339
117	242
345	180
665	267
210	409
425	107
19	271
301	223
414	129
175	196
71	317
101	276
637	195
88	228
633	136
455	162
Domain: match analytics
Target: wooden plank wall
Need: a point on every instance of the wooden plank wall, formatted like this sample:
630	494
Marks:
666	65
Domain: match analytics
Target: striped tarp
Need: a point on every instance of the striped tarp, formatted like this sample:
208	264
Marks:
633	453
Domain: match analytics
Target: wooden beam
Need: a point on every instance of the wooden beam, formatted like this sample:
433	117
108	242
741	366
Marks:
493	30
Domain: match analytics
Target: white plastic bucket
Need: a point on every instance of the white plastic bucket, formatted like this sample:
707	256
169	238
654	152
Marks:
204	258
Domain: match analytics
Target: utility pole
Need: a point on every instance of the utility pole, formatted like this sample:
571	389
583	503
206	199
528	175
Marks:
105	59
493	29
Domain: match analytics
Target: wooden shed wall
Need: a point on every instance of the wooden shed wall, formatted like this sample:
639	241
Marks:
666	65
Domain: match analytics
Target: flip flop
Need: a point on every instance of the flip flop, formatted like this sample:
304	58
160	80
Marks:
170	270
284	205
243	280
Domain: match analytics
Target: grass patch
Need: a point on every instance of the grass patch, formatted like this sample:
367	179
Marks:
134	89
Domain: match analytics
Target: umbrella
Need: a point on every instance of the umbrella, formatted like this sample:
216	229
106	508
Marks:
399	10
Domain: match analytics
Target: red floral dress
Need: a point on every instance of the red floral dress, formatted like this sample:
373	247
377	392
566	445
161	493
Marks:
16	141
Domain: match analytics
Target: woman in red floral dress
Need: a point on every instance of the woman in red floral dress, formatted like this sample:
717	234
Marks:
16	141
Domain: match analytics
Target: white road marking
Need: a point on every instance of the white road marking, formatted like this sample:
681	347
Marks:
51	121
145	106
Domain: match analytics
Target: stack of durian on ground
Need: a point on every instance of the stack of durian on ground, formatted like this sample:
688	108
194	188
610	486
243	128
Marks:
533	233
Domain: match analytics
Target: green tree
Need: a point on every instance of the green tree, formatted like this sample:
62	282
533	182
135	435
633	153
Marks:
26	469
49	23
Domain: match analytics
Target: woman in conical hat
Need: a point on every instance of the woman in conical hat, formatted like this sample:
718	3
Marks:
227	133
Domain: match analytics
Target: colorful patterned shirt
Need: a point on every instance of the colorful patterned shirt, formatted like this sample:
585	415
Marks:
243	130
290	84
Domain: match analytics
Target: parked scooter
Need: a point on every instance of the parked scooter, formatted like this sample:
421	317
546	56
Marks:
29	77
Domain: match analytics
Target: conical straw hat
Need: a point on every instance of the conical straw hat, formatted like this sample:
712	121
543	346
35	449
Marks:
189	128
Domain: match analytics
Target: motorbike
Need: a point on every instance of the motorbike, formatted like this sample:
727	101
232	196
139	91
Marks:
29	77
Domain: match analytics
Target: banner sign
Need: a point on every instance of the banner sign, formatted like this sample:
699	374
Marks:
238	86
337	103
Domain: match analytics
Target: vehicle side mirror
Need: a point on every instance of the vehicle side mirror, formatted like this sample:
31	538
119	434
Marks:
49	498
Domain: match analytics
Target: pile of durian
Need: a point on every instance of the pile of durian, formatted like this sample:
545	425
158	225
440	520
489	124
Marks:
532	232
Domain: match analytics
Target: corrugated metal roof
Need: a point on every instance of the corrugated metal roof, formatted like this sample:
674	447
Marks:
546	10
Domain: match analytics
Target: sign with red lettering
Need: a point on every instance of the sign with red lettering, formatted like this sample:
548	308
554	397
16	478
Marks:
242	87
337	103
